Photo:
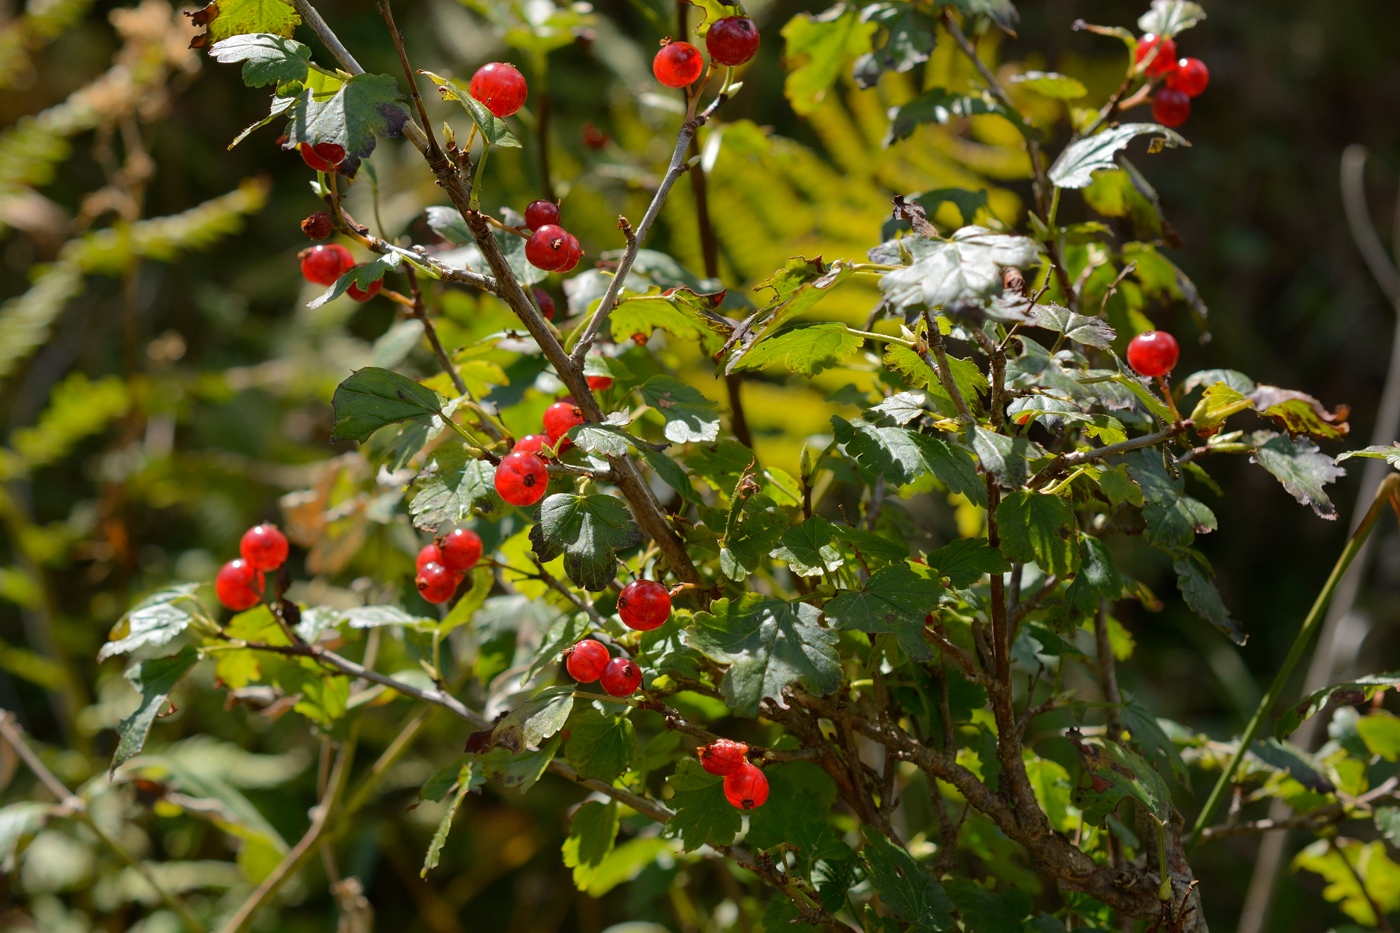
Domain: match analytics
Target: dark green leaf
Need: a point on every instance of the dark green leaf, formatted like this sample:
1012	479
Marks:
350	114
155	620
1193	578
902	456
1076	165
464	785
800	795
989	911
809	548
806	350
1098	578
599	746
1001	12
901	408
1300	467
1006	458
372	398
1090	331
909	34
1153	741
1116	773
153	679
1173	518
689	415
535	720
966	561
751	534
266	58
588	531
906	887
451	488
769	645
443	780
1040	528
702	814
894	600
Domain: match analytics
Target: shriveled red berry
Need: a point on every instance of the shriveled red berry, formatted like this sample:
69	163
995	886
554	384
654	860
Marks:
323	157
573	253
532	444
732	40
545	301
1153	353
428	554
324	263
500	88
1190	77
521	478
263	546
746	787
644	605
722	756
600	383
560	417
677	64
621	677
1171	107
364	294
234	585
548	248
586	660
461	549
541	212
1165	61
436	583
318	226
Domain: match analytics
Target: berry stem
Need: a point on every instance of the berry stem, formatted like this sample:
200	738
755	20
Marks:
1167	397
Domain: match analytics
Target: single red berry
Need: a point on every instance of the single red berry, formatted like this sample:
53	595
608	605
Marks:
560	417
500	88
573	253
436	583
677	64
1165	61
323	157
586	660
324	263
746	788
541	212
545	301
318	226
264	547
461	549
364	294
548	248
234	585
621	677
429	554
600	383
1190	77
722	756
1153	353
594	138
732	40
532	444
521	478
1171	107
644	605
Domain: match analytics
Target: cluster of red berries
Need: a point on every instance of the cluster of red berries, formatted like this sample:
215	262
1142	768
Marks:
324	263
443	564
744	784
521	476
731	41
1185	78
1153	353
262	548
550	247
589	661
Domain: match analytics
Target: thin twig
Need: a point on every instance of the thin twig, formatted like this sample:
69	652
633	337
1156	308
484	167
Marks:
1063	462
939	364
388	15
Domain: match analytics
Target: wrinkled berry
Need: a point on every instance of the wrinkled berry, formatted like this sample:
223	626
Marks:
318	226
722	756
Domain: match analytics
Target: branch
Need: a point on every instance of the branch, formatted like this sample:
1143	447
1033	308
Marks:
1063	462
945	375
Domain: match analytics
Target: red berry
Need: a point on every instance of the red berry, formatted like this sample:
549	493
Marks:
430	554
593	137
677	64
621	677
746	788
234	585
521	478
323	157
545	301
1165	61
532	444
644	605
548	248
1153	353
436	583
461	549
264	547
586	660
500	88
600	383
1171	107
1190	77
732	40
574	253
560	417
364	294
722	756
541	212
325	262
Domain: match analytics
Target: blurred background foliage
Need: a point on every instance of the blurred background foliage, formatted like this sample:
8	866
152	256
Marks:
164	387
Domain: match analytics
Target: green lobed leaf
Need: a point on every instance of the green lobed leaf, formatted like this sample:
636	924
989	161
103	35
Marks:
690	416
592	835
1089	331
901	408
598	746
1300	413
1193	578
1170	17
1098	578
965	268
895	600
702	814
1117	773
535	720
451	488
809	548
820	46
1006	458
153	679
1149	736
1076	166
769	646
1300	467
988	911
902	455
937	105
1040	528
588	531
681	311
1001	12
966	561
518	772
1389	453
1357	691
266	58
906	887
373	397
351	115
1218	402
800	795
907	36
755	527
155	620
806	350
1173	518
227	18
